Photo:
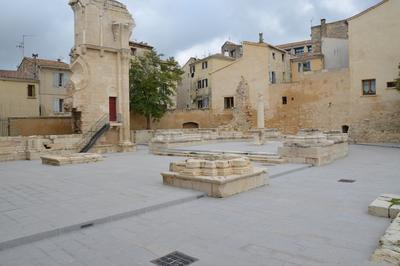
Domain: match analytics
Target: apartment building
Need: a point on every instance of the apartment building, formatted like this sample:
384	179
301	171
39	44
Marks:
53	76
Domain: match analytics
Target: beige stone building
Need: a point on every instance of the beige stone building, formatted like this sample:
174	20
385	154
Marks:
139	48
53	76
352	64
19	95
211	82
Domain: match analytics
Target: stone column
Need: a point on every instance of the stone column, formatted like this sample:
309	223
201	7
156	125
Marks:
260	110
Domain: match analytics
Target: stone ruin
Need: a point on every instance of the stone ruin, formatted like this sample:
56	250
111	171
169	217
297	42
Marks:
262	135
314	147
242	110
100	61
219	176
76	158
165	139
388	206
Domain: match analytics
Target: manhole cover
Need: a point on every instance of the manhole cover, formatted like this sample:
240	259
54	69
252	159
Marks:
175	259
347	180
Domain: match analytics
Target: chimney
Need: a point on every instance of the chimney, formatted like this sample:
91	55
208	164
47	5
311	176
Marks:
261	37
35	69
323	28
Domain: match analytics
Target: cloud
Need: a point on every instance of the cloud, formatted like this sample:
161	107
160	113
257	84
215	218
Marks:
340	6
201	50
180	28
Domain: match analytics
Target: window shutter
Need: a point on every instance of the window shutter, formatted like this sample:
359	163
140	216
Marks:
55	80
56	106
65	79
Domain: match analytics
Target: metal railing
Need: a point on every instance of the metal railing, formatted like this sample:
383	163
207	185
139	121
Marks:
87	136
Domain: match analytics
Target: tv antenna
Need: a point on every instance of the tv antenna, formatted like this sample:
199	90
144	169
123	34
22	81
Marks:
21	45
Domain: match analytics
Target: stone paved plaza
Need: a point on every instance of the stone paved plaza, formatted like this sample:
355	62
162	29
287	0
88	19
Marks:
305	217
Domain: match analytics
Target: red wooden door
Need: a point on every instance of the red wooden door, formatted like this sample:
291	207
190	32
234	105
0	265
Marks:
113	108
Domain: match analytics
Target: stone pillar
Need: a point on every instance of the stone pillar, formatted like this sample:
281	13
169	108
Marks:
260	111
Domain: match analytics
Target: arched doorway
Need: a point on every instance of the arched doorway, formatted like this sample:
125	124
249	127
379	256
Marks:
190	125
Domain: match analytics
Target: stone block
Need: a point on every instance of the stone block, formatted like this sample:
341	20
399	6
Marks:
235	175
78	158
383	206
389	245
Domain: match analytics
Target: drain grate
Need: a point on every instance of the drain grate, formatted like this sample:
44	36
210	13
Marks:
347	180
174	259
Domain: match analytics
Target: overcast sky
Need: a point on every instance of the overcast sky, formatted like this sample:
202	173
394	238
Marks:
179	28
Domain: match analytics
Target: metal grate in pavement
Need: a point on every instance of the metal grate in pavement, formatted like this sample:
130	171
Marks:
174	259
346	180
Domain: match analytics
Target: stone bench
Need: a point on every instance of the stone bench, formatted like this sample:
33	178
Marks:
76	158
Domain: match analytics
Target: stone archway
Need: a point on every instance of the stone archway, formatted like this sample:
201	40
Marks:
190	125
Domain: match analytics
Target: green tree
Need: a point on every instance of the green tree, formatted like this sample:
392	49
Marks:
152	83
398	81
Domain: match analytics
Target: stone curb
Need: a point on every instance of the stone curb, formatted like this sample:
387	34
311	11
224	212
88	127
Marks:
393	146
87	224
290	171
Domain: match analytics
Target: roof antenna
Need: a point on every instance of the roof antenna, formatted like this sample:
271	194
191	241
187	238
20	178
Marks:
21	45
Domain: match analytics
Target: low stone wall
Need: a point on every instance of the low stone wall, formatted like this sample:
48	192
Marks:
389	245
179	138
314	147
31	148
35	126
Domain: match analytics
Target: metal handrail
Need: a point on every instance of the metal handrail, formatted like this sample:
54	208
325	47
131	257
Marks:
87	136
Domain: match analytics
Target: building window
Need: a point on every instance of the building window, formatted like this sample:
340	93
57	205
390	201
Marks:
369	87
31	91
309	49
203	103
200	104
272	77
192	69
304	66
133	51
284	100
58	106
229	102
60	79
199	84
391	84
273	56
204	65
283	57
299	50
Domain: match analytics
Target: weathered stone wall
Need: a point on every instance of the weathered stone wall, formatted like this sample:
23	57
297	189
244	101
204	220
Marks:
320	100
175	119
337	29
31	148
29	126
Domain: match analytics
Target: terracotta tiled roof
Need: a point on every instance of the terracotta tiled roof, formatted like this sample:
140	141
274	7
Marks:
49	63
294	44
12	74
140	44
